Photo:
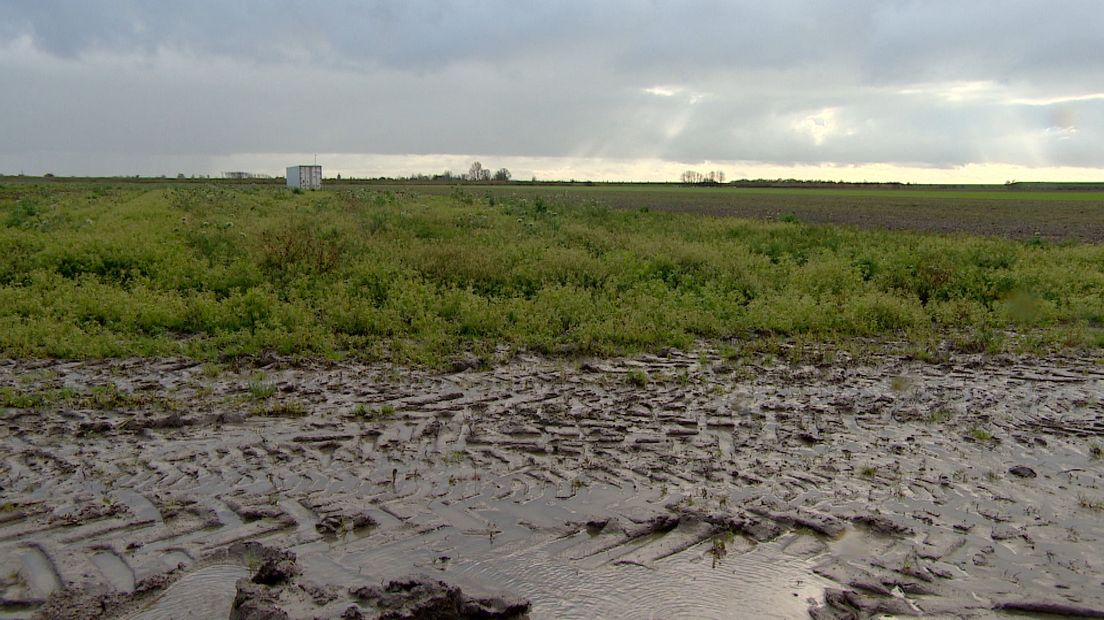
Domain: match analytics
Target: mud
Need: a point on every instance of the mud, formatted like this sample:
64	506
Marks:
680	485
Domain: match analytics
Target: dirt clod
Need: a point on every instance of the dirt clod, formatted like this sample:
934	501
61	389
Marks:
256	602
419	598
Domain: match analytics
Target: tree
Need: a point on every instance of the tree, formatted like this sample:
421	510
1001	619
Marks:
693	176
478	173
502	174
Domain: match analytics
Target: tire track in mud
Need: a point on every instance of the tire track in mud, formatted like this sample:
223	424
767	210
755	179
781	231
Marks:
575	485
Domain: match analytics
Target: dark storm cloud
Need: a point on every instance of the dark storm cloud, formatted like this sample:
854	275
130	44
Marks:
925	82
995	39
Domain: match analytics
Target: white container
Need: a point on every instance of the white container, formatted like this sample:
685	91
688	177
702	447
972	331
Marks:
305	177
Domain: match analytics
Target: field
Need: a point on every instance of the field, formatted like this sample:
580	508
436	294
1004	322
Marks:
548	402
1074	213
683	485
209	270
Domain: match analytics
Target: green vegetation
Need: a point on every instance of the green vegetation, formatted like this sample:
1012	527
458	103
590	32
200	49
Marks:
899	383
34	399
213	270
288	409
978	433
98	397
212	370
384	411
111	397
637	377
261	391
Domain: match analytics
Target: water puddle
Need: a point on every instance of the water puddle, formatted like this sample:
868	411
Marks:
199	595
762	583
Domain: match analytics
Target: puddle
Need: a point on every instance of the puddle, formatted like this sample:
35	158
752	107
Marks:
199	595
39	572
762	583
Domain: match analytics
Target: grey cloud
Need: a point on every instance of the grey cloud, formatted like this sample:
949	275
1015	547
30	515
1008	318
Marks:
1000	40
917	39
789	82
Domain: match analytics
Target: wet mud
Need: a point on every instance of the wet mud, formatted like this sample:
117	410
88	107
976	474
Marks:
679	485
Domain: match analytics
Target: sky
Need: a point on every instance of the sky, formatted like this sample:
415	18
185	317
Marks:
890	90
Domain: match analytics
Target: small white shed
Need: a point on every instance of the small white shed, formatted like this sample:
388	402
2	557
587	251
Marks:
306	177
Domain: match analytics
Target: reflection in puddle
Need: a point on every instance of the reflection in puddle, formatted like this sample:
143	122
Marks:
204	593
762	583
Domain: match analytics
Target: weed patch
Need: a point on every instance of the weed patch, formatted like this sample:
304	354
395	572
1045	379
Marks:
288	409
980	434
214	273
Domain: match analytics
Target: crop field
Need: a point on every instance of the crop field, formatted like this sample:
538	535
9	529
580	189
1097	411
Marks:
558	402
95	270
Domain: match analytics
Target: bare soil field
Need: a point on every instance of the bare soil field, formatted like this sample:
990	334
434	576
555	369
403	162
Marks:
1056	216
662	486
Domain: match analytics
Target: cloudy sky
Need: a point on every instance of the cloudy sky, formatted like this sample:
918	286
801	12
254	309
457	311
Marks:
924	90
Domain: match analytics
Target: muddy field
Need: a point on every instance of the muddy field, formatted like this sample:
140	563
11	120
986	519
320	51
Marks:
679	485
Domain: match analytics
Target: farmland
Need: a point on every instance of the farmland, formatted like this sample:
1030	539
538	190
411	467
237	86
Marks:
1072	213
209	270
548	401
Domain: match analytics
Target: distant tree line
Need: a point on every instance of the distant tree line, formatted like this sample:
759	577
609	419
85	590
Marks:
238	174
476	174
711	177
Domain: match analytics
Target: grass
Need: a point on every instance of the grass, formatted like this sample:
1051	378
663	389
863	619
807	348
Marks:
382	412
212	370
939	416
217	271
261	391
1096	505
287	409
98	397
980	434
33	399
453	458
899	383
